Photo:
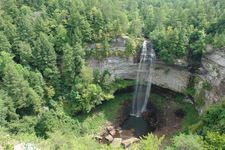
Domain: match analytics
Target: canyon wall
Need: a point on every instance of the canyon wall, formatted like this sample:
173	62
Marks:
209	79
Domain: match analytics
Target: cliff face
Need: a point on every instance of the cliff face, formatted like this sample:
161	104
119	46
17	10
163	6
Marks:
163	76
209	87
211	84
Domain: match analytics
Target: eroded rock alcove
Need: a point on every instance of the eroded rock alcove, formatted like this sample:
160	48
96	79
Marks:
175	77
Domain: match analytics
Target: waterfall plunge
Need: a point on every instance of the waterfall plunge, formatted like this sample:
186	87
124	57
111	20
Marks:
143	80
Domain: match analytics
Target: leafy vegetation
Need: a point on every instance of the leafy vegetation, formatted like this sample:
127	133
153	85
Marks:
149	141
44	83
207	133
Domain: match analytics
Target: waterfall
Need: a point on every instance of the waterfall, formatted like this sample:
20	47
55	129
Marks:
143	80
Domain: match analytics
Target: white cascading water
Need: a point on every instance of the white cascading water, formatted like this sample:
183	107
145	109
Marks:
143	80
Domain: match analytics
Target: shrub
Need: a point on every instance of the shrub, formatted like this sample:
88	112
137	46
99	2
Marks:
150	142
186	142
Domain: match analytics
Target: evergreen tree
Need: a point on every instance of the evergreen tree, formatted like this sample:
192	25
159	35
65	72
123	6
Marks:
40	25
68	64
25	28
4	43
25	53
44	53
22	95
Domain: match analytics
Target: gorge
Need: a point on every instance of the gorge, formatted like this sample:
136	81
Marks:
175	77
82	74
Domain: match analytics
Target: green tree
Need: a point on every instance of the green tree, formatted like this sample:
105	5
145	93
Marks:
60	37
47	123
197	43
24	52
44	53
4	43
219	40
3	100
25	28
186	142
150	24
150	141
8	111
68	64
23	96
135	27
41	25
214	140
10	30
10	7
105	46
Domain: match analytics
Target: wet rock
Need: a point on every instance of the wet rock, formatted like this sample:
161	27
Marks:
109	138
127	134
116	142
112	132
128	142
98	138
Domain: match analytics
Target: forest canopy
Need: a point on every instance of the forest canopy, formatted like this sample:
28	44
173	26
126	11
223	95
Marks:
43	47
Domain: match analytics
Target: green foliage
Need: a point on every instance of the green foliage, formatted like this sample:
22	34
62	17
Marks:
170	43
94	122
24	53
72	62
214	140
44	53
121	83
166	71
105	44
207	86
42	60
129	47
18	87
46	123
3	101
186	142
196	43
200	98
4	43
150	142
219	40
212	120
25	27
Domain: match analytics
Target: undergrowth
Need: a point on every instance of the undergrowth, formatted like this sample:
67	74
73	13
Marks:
107	112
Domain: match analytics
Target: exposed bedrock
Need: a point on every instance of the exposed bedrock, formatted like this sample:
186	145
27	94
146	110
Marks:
163	76
210	85
209	88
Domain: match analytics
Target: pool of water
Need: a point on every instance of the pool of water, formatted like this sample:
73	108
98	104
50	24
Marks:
135	126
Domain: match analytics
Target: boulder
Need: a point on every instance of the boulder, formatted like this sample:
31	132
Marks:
109	138
110	128
128	142
112	132
116	142
98	138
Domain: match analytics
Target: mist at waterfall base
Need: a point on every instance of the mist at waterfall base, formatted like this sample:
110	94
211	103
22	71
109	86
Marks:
143	80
